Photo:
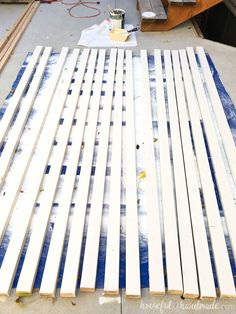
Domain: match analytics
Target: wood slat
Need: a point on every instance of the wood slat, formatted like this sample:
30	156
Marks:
51	269
20	89
27	276
93	235
132	233
204	268
222	179
112	266
19	125
156	276
223	268
223	125
174	274
190	282
35	173
8	200
70	275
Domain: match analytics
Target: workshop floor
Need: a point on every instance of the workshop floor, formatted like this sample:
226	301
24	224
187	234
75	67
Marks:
53	26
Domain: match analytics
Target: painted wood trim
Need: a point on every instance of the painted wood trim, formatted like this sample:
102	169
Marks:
112	264
174	274
29	269
189	272
202	254
221	175
133	288
151	202
7	202
70	275
88	280
52	265
19	125
222	122
16	98
221	258
36	173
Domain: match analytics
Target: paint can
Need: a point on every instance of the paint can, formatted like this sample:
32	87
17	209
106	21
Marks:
117	18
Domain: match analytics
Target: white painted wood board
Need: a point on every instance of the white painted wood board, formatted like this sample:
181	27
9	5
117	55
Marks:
188	262
156	275
174	273
133	283
69	281
89	273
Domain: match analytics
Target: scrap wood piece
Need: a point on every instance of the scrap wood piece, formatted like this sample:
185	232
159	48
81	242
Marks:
8	44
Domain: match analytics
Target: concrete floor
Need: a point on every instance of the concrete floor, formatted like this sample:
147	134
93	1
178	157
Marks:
53	26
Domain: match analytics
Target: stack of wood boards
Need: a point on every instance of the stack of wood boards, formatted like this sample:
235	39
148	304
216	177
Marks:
133	150
8	43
